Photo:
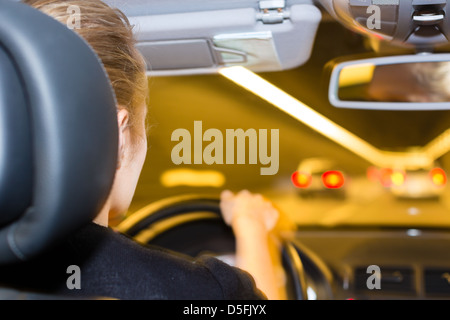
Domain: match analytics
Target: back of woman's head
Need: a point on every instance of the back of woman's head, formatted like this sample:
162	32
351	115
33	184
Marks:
109	33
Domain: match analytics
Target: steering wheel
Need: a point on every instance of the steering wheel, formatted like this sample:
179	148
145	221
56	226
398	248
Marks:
193	225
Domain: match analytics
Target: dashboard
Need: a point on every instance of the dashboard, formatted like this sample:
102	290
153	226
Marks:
411	263
320	263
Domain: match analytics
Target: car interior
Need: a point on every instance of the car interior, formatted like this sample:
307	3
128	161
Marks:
344	100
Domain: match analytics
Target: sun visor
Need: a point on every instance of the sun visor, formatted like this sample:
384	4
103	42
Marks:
273	37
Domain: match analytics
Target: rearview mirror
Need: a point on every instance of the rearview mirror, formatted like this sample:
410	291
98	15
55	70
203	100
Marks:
407	82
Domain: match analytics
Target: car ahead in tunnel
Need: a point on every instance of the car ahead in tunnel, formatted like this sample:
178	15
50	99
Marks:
247	94
317	177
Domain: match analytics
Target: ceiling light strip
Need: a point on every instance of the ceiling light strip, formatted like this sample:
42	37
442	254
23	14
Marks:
300	111
316	121
439	146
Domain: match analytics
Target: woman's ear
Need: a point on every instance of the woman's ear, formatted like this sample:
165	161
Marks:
122	121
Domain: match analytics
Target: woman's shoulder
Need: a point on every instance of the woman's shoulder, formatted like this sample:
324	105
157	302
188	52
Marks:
236	283
150	272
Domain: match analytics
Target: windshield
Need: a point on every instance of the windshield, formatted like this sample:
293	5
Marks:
194	118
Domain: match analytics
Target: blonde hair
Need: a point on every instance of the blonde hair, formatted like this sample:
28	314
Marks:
108	31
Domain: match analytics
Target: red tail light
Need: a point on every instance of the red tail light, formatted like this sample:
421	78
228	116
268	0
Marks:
386	177
373	174
438	177
301	179
333	179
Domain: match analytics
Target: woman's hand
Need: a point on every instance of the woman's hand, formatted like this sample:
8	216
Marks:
245	208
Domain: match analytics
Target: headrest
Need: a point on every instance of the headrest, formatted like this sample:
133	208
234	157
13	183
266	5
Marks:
58	132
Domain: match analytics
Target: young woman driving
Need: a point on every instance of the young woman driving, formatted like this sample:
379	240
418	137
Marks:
111	264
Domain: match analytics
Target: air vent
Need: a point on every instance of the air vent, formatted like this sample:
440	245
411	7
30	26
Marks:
437	282
393	280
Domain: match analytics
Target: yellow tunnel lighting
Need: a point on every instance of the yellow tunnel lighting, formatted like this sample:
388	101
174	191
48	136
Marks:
356	74
439	146
316	121
192	178
398	178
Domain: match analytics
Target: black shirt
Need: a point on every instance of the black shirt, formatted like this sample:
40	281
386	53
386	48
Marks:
113	265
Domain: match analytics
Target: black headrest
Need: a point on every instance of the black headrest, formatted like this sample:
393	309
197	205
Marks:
58	132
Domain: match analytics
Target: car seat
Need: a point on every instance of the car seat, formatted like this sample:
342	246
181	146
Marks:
58	134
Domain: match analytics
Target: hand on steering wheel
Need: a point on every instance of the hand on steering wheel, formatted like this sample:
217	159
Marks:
171	222
246	208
